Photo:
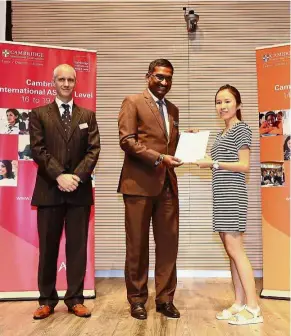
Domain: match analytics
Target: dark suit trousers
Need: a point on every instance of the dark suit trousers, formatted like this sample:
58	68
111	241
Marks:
164	211
50	221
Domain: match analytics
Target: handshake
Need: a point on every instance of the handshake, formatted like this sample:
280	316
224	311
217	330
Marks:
68	182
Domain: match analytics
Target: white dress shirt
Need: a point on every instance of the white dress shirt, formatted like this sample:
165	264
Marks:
7	129
165	111
8	182
61	109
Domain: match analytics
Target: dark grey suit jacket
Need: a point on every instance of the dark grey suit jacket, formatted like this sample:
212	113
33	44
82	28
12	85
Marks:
55	153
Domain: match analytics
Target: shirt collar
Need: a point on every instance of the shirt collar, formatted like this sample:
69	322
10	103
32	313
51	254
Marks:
59	103
16	125
155	98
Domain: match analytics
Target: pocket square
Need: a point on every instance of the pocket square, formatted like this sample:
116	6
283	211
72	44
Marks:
176	123
84	125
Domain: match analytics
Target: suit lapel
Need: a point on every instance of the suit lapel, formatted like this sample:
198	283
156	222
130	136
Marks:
153	106
76	116
54	114
171	118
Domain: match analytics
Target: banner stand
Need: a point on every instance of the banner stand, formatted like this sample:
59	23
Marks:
25	83
34	295
273	74
273	294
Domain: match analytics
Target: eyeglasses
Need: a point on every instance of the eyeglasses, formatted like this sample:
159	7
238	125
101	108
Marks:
161	78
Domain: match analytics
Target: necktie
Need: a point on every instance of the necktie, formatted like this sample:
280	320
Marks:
160	103
66	118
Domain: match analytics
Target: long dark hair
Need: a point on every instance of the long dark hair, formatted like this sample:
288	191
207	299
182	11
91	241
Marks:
234	91
8	166
16	114
286	148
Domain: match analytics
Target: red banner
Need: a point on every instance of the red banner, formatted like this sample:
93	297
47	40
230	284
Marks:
26	82
273	68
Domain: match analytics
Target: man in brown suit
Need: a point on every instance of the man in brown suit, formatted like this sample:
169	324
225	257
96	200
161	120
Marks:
65	144
148	131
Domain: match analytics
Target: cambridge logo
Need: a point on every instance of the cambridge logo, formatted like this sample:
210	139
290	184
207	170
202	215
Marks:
5	53
266	57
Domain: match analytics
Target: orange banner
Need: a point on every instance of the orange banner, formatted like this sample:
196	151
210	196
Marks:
273	71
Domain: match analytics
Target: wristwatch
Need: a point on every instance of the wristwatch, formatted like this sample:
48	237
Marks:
215	165
159	160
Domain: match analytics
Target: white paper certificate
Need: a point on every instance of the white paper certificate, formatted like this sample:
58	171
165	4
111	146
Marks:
192	146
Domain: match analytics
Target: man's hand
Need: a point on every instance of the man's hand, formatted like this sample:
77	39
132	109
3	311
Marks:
68	182
171	161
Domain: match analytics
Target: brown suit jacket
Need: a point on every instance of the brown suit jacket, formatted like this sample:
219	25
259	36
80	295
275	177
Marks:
56	153
143	138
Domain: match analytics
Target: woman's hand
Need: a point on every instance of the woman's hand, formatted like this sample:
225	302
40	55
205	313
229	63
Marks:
206	162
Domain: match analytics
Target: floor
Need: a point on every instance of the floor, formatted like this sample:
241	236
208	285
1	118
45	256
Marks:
197	299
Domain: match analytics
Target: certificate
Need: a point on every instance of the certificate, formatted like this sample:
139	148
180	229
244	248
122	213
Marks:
192	146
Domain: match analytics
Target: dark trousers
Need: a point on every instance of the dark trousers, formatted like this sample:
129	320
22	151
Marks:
50	222
164	212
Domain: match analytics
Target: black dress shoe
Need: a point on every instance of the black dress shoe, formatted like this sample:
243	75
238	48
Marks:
138	311
168	309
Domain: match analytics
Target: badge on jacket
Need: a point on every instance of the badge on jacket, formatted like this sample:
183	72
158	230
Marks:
84	125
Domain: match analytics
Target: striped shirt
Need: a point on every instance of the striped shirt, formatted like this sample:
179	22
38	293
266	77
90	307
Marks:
230	200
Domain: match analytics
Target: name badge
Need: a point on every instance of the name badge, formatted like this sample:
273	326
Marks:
84	125
176	123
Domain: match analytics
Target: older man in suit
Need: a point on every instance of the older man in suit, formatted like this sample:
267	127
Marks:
65	144
148	130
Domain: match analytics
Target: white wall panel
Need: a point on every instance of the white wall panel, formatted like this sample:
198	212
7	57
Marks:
127	36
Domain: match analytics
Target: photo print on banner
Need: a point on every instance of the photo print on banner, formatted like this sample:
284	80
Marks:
8	173
24	151
14	121
272	175
286	148
271	123
274	122
287	122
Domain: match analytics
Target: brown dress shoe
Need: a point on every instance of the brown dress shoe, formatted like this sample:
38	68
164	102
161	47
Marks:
79	310
168	309
138	311
42	312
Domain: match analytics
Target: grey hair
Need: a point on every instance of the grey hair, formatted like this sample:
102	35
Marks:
63	66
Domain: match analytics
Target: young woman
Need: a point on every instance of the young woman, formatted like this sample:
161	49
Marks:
230	156
6	174
12	126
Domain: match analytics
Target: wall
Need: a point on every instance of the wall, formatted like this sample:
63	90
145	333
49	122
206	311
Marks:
127	36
